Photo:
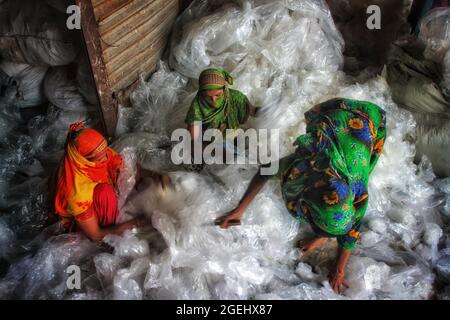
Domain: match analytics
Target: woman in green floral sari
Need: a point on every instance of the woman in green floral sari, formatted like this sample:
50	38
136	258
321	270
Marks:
325	182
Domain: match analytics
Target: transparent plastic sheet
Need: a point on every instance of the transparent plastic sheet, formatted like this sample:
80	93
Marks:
62	90
25	163
445	83
187	257
432	137
284	34
443	185
443	265
7	238
9	112
154	103
49	131
48	276
29	82
13	156
28	154
28	208
151	150
234	262
23	201
435	33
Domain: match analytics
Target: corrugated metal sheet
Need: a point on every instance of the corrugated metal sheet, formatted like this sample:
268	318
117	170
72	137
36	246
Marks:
133	36
125	40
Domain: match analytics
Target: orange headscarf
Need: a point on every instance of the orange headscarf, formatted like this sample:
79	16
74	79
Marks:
77	176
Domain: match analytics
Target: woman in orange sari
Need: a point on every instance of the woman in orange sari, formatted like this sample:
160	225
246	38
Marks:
85	182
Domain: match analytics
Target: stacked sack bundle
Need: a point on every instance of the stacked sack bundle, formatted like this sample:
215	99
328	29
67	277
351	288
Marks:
367	47
418	74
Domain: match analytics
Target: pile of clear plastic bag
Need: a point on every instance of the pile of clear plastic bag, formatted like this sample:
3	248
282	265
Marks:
435	34
285	56
283	36
32	133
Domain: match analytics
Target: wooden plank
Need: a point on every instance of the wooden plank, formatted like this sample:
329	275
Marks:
113	36
140	47
123	96
120	77
144	70
96	3
137	33
106	9
123	14
91	37
139	60
125	77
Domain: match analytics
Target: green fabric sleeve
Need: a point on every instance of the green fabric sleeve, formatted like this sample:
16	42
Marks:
348	241
378	144
283	165
194	114
240	102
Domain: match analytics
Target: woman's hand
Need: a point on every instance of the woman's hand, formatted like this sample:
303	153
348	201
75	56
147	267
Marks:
141	173
337	281
165	181
141	221
232	218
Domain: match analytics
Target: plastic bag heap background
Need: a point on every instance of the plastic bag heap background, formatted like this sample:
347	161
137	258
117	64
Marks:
286	56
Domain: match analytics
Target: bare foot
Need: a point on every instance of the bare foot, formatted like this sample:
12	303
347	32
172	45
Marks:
306	246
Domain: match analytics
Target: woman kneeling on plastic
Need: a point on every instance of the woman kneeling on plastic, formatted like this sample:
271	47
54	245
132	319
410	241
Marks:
85	182
325	182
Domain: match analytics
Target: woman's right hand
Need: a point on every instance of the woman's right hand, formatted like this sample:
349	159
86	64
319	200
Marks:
165	181
232	218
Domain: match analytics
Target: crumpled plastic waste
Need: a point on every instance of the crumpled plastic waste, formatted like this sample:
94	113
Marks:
184	255
63	91
27	79
24	38
435	34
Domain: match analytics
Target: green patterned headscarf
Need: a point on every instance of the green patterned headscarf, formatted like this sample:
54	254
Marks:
229	111
214	78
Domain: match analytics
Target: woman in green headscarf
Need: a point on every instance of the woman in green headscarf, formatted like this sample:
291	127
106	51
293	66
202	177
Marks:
325	182
216	106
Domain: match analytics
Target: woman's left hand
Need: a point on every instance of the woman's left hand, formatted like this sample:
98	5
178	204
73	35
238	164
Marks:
337	281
